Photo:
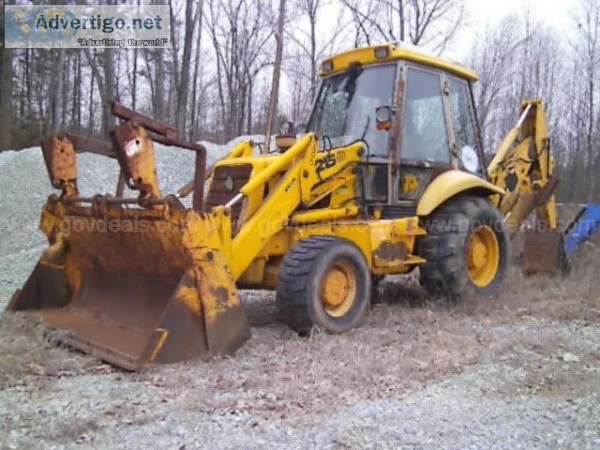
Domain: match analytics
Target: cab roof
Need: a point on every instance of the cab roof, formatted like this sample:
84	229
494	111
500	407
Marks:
390	52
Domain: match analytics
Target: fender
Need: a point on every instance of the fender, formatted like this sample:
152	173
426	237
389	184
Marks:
449	185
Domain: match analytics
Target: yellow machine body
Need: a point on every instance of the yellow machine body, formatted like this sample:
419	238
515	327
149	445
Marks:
146	280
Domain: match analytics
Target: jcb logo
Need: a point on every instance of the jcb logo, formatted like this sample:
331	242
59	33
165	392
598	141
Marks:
325	163
410	183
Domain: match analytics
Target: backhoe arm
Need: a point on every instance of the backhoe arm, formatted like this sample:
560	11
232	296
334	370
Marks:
523	167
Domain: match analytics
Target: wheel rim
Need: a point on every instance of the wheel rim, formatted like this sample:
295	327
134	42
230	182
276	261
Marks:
483	256
339	289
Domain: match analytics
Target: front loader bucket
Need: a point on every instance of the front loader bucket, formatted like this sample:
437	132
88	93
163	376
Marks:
137	286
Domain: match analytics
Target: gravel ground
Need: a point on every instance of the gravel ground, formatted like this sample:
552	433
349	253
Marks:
521	371
511	383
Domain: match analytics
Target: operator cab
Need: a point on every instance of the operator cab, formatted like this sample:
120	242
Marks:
414	112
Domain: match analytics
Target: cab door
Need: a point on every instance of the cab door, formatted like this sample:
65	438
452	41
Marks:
467	144
425	142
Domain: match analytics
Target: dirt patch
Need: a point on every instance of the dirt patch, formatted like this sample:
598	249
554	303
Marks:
570	297
30	354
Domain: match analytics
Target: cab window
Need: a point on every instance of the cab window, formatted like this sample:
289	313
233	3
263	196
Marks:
425	136
345	108
464	126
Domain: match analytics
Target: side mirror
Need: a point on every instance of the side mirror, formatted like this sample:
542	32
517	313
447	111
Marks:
383	116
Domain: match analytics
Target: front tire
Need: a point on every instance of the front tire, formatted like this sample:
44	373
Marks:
466	248
324	282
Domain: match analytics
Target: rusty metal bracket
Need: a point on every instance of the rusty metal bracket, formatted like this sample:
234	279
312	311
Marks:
92	145
135	154
61	162
131	144
121	111
166	135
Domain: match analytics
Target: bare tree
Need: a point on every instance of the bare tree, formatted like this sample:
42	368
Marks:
307	45
276	75
587	58
430	23
6	93
184	78
241	33
58	63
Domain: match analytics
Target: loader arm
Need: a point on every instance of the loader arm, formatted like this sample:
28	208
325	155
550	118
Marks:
308	175
524	168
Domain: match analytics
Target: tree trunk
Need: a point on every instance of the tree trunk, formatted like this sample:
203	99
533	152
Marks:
6	106
159	88
134	80
276	76
184	79
57	86
110	93
313	51
196	79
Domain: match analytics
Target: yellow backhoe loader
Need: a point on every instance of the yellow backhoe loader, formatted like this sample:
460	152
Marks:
389	177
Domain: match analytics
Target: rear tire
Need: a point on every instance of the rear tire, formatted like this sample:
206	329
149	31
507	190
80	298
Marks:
324	282
466	248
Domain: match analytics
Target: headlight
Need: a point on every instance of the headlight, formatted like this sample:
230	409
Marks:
382	52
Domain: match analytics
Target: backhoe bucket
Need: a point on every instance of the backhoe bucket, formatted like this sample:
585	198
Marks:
136	286
543	252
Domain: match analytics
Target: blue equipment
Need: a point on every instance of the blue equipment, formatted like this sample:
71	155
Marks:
585	225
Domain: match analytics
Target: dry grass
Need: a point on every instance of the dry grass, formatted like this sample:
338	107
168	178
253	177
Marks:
30	353
408	341
561	297
279	375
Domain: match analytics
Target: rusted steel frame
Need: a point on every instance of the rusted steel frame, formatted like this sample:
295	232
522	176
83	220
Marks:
92	145
168	136
186	189
122	158
175	142
121	184
61	162
125	113
396	134
113	211
544	194
200	171
114	200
